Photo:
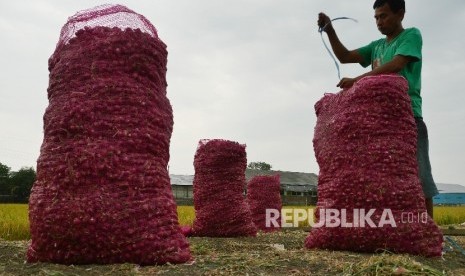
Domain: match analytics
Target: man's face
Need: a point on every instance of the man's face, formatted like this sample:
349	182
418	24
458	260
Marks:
386	20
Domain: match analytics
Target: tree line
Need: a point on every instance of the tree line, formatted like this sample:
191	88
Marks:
15	186
261	166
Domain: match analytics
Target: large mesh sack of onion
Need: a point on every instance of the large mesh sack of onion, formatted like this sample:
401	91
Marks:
365	145
263	192
219	181
103	192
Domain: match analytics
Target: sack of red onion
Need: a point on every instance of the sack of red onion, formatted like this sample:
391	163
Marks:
219	182
263	193
369	193
103	192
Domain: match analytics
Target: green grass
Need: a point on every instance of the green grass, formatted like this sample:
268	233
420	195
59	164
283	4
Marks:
14	223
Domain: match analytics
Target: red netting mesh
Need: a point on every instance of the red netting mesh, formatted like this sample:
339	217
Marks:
263	192
365	145
106	15
219	182
103	192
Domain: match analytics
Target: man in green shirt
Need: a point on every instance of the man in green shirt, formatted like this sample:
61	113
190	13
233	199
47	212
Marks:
399	52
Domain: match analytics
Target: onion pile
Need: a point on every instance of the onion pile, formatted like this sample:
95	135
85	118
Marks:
219	182
365	145
103	192
263	192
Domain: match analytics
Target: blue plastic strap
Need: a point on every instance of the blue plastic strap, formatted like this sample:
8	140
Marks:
456	245
321	29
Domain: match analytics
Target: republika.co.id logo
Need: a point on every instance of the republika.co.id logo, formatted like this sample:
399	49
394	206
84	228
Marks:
340	218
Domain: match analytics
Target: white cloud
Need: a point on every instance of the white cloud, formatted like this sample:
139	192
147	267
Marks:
248	71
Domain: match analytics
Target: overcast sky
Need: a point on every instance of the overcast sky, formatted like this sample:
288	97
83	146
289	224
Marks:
248	71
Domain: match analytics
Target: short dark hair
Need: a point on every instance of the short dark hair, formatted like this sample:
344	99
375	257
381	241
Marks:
395	5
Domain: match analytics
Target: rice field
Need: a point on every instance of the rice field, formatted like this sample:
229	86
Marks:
446	215
186	215
14	223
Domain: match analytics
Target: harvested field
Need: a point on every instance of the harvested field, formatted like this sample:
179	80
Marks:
279	253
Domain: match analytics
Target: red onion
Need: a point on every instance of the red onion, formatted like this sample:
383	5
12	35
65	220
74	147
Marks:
263	192
365	144
103	192
219	180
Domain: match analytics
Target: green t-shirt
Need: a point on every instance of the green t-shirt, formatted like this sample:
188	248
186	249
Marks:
407	43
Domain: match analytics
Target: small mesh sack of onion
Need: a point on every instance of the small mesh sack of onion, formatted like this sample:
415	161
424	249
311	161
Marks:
103	193
365	145
263	192
219	182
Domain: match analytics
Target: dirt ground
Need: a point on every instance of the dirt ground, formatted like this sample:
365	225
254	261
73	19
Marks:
279	253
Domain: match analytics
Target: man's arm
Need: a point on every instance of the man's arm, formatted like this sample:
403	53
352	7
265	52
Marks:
393	66
341	52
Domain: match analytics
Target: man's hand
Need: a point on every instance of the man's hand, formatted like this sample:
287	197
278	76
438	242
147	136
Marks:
393	66
324	22
346	82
